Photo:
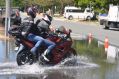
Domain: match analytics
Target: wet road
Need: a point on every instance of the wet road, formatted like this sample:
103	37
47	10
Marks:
10	70
85	67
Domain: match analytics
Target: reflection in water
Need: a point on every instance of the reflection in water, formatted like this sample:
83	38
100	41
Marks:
7	47
47	75
8	77
7	52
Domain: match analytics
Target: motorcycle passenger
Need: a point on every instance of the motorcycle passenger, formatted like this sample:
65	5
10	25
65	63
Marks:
42	25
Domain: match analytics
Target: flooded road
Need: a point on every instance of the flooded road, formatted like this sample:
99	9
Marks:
86	67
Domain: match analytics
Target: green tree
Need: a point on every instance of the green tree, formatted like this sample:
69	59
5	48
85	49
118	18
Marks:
52	3
101	5
17	3
98	5
2	3
63	3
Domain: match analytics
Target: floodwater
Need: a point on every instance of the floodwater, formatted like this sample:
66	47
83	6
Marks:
86	67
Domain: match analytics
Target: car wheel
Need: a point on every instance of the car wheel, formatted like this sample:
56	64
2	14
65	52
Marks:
70	17
88	18
106	26
3	21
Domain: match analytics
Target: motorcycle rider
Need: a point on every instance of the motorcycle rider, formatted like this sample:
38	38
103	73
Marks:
15	17
33	35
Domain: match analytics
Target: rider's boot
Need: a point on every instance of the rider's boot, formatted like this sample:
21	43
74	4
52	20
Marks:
33	51
46	55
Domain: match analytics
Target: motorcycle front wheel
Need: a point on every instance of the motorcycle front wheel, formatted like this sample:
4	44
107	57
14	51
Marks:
24	57
71	53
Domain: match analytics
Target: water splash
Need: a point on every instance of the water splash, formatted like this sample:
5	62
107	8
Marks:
69	63
77	62
13	68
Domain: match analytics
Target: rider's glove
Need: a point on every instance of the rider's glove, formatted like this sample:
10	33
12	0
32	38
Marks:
63	36
23	33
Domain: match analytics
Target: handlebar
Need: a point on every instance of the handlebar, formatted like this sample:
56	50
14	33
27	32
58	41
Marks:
15	33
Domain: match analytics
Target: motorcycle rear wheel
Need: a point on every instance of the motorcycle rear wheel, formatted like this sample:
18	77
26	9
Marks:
24	57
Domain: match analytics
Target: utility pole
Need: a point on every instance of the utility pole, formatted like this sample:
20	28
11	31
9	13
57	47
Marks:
90	6
7	18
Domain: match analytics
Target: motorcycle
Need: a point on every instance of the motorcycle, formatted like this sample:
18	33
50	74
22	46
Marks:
62	50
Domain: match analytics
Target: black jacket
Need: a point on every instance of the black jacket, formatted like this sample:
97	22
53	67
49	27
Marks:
41	28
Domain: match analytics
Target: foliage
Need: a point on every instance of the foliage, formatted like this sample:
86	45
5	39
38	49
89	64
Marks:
98	5
2	2
17	3
82	47
63	3
43	4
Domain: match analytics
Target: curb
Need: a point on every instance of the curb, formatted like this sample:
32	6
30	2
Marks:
76	20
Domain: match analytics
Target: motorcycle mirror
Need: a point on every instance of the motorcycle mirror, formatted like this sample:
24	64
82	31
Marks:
70	30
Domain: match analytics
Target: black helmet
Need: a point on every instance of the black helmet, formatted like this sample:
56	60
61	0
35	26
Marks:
31	12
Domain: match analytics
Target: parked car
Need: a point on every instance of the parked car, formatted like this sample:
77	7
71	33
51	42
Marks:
102	18
71	12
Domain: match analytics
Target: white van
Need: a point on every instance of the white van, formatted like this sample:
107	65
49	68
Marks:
71	12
